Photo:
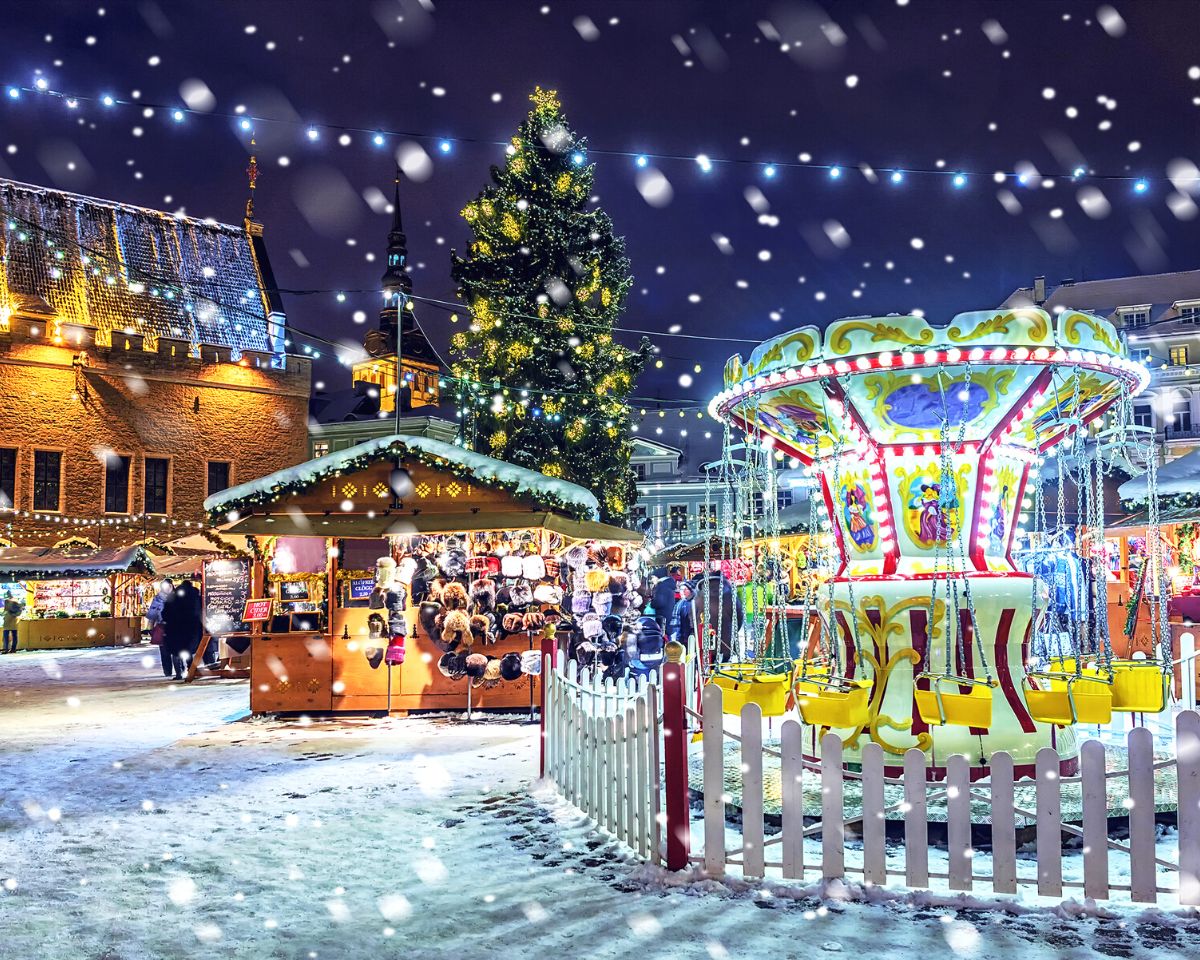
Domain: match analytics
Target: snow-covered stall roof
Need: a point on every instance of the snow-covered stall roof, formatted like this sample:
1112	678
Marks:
47	563
1181	475
543	491
112	266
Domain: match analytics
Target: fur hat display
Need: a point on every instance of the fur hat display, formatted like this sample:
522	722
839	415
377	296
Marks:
513	623
581	602
596	580
427	616
575	557
510	566
548	594
612	626
456	626
591	625
447	664
534	620
533	567
481	629
510	666
483	596
531	663
454	597
492	671
520	594
475	665
602	603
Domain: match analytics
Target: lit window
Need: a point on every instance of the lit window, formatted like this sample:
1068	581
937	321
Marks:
1178	356
320	448
678	518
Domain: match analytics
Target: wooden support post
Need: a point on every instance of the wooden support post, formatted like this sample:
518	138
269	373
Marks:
549	651
675	743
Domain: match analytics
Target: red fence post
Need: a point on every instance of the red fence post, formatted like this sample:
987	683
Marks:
549	651
675	743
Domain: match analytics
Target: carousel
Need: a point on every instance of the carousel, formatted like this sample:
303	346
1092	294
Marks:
951	612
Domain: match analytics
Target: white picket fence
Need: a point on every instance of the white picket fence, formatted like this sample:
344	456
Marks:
602	742
1149	875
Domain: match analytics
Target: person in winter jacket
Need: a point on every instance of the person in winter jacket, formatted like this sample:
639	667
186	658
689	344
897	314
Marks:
154	617
182	626
389	595
644	643
662	596
12	613
717	608
683	625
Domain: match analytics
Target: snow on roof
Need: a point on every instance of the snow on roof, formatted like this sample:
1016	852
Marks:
546	492
1181	475
47	563
111	266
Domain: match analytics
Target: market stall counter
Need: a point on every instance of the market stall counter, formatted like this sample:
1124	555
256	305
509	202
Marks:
408	574
88	598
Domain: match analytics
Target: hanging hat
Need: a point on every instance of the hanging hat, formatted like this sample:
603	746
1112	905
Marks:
513	623
510	665
477	565
602	603
548	594
474	665
456	626
453	562
406	569
492	670
427	617
591	625
447	664
534	620
520	594
533	567
576	556
581	602
531	663
455	597
511	566
552	567
596	580
483	596
612	626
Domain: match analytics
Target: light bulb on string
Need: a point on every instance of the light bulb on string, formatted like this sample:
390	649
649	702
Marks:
897	176
107	100
313	133
835	173
177	116
1141	186
378	140
959	181
14	93
445	146
1078	173
641	161
769	171
41	83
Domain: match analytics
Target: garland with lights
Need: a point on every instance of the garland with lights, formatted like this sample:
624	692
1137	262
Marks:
258	494
542	264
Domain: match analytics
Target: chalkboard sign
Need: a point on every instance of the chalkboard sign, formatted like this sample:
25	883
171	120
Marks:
361	587
293	590
226	590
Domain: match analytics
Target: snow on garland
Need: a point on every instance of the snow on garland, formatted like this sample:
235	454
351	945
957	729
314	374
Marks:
545	492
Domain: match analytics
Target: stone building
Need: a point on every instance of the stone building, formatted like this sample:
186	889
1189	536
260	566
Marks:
142	367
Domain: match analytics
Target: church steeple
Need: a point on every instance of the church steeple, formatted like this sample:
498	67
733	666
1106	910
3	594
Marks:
398	323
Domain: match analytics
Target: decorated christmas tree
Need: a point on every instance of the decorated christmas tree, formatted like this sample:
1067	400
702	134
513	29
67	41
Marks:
542	382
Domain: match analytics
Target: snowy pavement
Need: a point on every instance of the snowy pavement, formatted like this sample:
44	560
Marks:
141	819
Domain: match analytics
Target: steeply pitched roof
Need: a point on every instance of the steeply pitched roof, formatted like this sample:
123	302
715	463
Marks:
111	266
1160	290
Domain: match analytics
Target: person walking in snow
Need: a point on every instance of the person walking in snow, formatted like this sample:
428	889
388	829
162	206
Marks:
154	616
12	613
181	617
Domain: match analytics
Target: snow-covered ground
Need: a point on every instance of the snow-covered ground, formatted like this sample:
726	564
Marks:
139	819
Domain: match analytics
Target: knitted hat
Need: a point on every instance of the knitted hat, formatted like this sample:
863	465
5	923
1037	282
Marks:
591	625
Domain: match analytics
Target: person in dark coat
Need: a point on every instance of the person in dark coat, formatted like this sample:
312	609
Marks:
716	607
662	595
182	626
683	625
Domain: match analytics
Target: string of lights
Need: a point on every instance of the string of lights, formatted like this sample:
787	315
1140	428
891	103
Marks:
958	178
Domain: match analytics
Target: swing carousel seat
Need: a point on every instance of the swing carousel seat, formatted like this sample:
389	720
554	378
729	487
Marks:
938	707
743	683
1139	686
1069	698
828	701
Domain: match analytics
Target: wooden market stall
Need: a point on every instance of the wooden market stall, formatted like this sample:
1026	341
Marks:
92	598
444	515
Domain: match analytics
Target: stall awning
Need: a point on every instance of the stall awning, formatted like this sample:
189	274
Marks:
360	526
47	563
1136	523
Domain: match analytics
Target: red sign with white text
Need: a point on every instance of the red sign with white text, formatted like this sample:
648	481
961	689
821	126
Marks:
257	610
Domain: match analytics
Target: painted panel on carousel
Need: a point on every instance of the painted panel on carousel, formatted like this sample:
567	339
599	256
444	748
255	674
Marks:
912	406
1011	328
998	513
779	353
876	334
1086	331
858	514
799	416
932	515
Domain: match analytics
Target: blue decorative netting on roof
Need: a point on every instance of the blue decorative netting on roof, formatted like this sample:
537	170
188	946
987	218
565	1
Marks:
116	267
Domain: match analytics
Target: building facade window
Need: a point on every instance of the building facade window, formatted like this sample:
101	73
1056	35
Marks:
1135	318
8	477
1143	415
1190	313
639	471
1140	356
158	474
47	479
707	513
320	448
784	497
218	476
1178	356
116	483
1181	415
677	518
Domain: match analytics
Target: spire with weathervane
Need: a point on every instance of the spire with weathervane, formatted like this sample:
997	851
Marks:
417	359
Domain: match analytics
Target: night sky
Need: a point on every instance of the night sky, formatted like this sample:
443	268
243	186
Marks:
1040	87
